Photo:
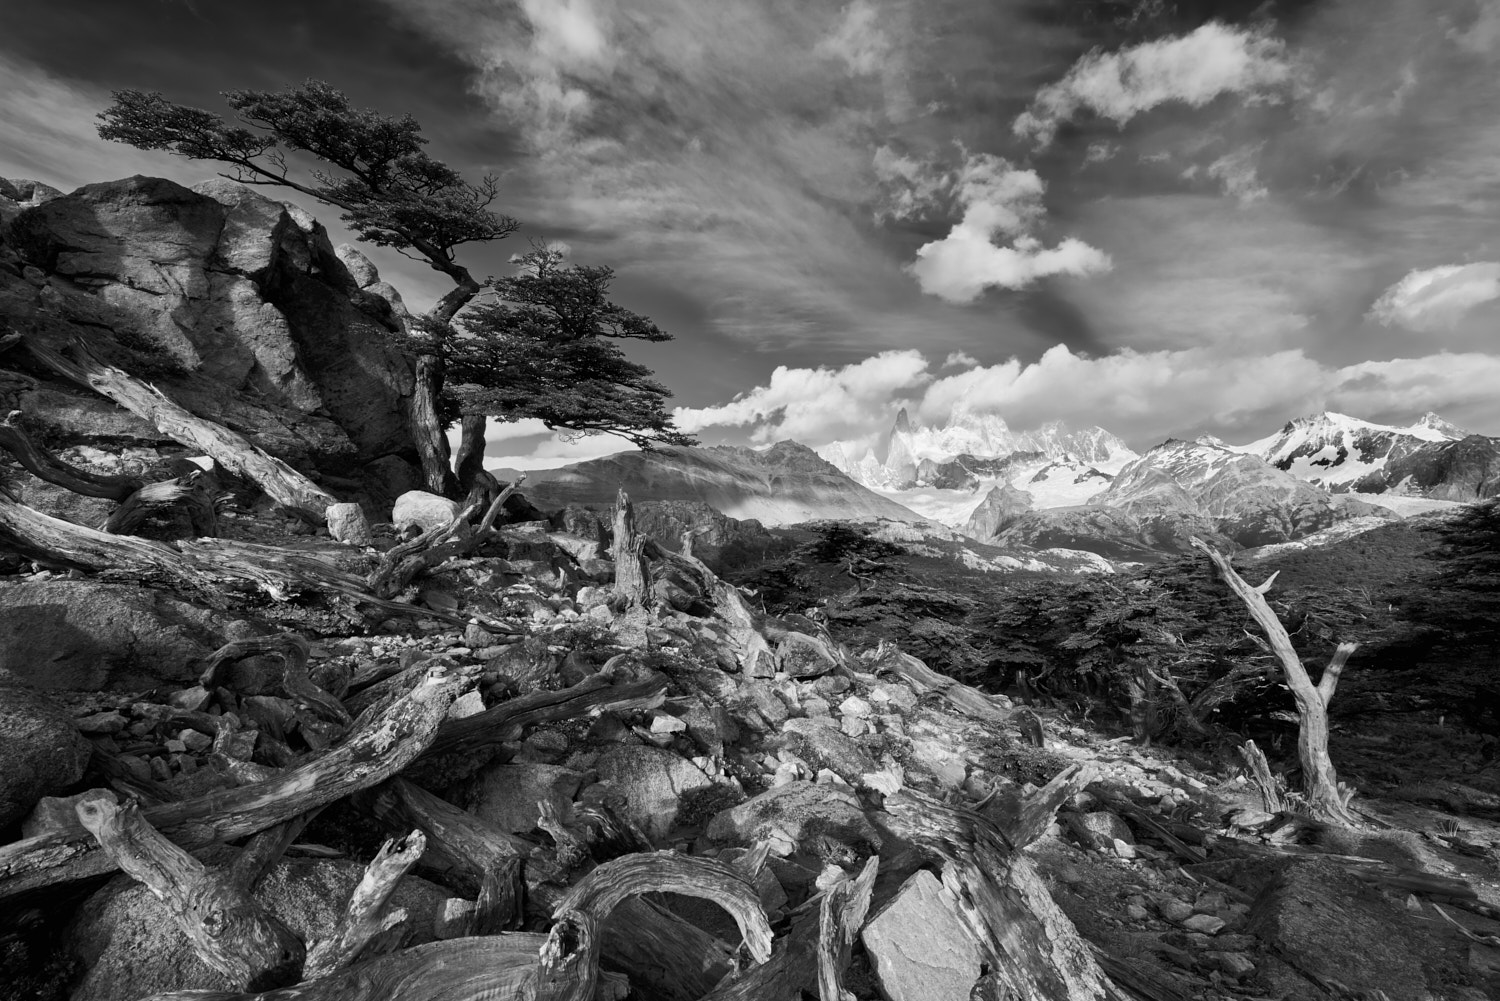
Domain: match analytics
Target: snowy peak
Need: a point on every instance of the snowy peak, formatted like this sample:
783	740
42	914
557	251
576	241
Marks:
1335	450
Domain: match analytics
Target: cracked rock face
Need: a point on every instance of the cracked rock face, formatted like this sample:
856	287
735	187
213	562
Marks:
235	289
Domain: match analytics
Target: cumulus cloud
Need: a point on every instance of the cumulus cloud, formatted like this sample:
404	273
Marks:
997	201
1437	299
1144	396
960	359
816	404
1194	69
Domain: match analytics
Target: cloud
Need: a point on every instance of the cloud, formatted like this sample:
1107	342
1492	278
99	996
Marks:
1237	173
912	187
997	200
960	359
816	404
1436	300
1144	396
1194	69
857	40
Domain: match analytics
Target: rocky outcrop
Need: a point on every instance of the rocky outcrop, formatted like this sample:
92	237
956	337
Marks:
784	484
87	636
1463	470
999	509
234	304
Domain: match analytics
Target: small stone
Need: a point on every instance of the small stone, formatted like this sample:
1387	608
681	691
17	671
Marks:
1235	964
101	723
1174	910
1137	913
160	770
667	723
813	706
192	699
1204	924
196	742
175	747
1124	849
829	777
853	726
855	706
347	523
467	704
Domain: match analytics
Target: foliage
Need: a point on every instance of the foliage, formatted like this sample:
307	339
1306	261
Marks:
391	192
543	350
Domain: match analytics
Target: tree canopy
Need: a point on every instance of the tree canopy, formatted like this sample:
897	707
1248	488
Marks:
542	349
391	192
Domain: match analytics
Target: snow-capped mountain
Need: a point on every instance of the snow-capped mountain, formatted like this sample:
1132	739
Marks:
1431	458
963	452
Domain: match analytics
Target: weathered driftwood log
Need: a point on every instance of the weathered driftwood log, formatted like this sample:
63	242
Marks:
191	493
205	564
1031	948
841	914
1260	774
923	679
380	746
654	947
45	466
228	928
233	451
364	917
1326	801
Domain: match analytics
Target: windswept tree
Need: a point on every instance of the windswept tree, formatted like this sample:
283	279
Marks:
542	349
373	169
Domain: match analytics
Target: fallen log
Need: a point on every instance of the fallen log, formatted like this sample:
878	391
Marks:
380	746
1034	814
363	919
204	565
923	679
228	928
233	451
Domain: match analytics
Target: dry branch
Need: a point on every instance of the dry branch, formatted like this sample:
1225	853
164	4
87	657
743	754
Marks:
1260	774
363	918
45	466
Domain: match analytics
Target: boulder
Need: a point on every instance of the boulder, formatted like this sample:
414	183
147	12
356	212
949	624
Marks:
130	947
919	947
41	752
88	636
422	510
826	747
508	794
649	785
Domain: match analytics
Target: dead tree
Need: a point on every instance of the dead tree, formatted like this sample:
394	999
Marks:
1326	800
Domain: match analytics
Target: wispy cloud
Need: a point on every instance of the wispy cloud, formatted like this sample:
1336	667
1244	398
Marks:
1194	69
1438	299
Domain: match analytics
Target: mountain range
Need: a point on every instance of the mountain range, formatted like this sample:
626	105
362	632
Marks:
1054	490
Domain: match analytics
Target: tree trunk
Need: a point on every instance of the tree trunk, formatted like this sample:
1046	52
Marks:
1320	784
427	427
470	460
46	466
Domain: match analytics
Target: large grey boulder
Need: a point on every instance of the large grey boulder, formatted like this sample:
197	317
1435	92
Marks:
129	944
918	945
88	636
650	784
41	753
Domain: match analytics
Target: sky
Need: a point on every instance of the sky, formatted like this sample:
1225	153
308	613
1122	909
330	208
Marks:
1165	218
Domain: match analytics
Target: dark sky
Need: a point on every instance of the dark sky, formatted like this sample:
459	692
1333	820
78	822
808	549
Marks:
1162	217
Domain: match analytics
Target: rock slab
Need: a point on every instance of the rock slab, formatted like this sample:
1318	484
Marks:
919	948
41	752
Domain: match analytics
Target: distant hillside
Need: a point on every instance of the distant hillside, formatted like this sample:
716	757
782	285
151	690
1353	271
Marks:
781	485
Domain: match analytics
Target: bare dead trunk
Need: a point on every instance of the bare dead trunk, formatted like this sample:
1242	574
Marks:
631	578
1325	799
190	492
1260	774
469	462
